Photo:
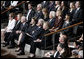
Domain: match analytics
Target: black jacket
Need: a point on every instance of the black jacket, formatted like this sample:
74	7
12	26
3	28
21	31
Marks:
30	15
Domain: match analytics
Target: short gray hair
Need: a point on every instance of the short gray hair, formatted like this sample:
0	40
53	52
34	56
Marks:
53	13
42	21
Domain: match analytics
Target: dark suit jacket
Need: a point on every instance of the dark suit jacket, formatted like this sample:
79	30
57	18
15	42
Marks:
64	12
36	33
51	7
31	15
7	3
52	22
67	30
17	26
24	27
45	5
38	15
77	17
71	14
31	28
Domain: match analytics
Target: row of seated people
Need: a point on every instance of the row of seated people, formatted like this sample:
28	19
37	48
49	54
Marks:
59	15
27	33
57	18
47	6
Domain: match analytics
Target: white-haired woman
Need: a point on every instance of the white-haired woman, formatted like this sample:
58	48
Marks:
51	20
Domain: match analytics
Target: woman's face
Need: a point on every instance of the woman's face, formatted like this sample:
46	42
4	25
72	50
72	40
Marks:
10	18
71	5
45	26
18	17
61	39
43	12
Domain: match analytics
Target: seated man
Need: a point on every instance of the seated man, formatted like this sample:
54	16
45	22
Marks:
40	42
28	38
6	32
23	28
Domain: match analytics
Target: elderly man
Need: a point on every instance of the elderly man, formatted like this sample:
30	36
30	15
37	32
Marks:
39	13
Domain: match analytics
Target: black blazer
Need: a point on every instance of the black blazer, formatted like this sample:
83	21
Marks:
45	5
52	22
77	17
31	15
67	30
51	7
39	15
36	33
24	27
17	26
30	29
71	14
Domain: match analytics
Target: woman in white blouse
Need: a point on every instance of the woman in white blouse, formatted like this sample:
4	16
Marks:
10	25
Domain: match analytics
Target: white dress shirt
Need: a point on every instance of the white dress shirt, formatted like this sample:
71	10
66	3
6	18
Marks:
28	14
14	3
11	25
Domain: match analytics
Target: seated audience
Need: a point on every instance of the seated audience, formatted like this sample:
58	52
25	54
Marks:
22	28
31	37
39	42
32	27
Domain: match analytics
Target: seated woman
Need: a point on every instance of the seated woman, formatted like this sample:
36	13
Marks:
40	41
11	24
45	13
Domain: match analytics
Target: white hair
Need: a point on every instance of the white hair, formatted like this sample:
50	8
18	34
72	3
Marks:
40	5
52	13
41	21
23	17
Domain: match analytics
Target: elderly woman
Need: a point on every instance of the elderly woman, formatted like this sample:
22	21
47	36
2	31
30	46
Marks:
51	20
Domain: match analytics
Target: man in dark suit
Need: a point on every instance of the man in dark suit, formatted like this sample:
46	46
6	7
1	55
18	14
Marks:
77	17
35	33
45	4
22	28
51	6
39	13
66	24
30	13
